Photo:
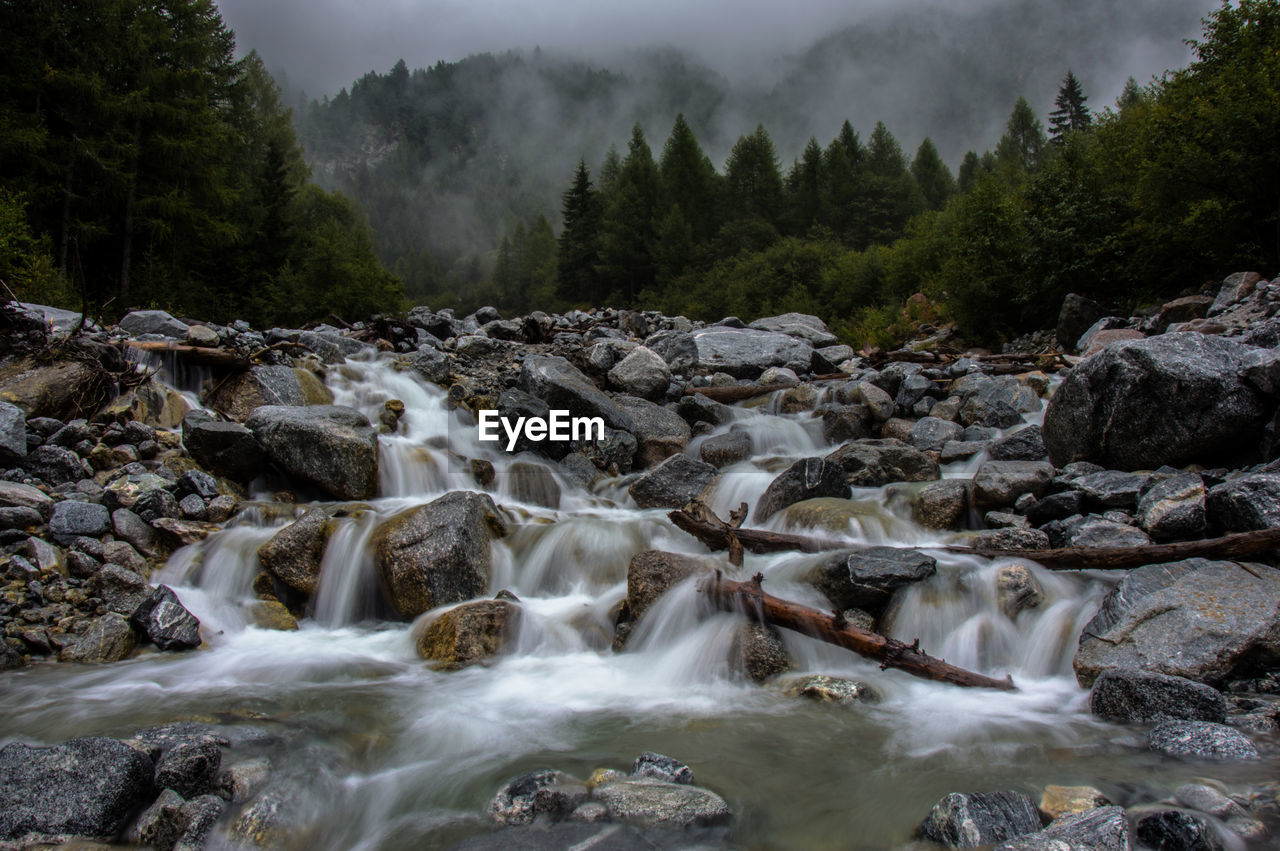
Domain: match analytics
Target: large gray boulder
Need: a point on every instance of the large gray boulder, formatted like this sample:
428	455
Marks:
805	479
740	352
653	573
648	801
563	387
672	483
1203	620
81	788
1245	503
139	322
1171	399
1201	740
802	325
1099	829
1174	508
980	818
330	447
872	462
1000	483
438	553
13	433
239	395
867	579
660	432
1137	697
225	448
642	373
72	518
293	554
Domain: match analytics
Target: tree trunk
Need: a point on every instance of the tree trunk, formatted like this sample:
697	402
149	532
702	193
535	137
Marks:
750	599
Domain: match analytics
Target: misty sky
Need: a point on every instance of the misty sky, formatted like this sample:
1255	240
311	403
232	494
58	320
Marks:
325	44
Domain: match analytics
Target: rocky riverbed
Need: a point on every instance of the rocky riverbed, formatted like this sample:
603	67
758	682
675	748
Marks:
267	588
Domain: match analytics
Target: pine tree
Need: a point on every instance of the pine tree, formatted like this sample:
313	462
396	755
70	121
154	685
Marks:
628	226
1018	152
932	175
579	243
893	196
844	195
753	180
689	181
970	168
805	190
1130	95
1070	113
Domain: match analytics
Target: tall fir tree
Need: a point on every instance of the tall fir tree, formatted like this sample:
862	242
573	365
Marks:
753	180
1019	149
688	180
579	244
628	228
932	175
1070	113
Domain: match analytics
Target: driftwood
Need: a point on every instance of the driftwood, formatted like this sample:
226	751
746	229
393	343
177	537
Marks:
195	354
702	523
749	598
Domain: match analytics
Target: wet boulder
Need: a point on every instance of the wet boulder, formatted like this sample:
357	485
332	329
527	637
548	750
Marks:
13	433
533	483
758	653
165	622
331	447
641	373
1017	589
1177	829
1203	620
1201	740
1245	503
1096	531
653	573
661	767
1138	697
827	689
1000	483
139	322
1025	444
744	352
225	448
1097	829
980	818
648	802
55	465
18	495
469	634
1111	488
72	518
1075	317
1171	399
672	483
545	793
942	505
433	365
727	449
189	768
930	434
260	386
563	387
801	325
660	432
867	579
109	638
1174	508
86	787
808	478
874	462
293	555
438	553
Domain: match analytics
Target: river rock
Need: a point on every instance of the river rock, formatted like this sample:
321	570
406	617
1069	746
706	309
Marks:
293	554
930	434
132	528
558	383
139	322
1177	830
876	462
469	634
641	373
163	619
1095	531
514	403
653	573
740	352
1198	619
13	434
726	449
980	818
1075	317
533	483
801	325
109	638
1058	801
17	495
1017	589
699	409
1140	697
647	802
86	787
438	553
758	652
1025	444
828	689
999	483
866	579
1201	740
189	768
259	386
1098	829
1245	503
1174	508
433	365
1235	288
1171	399
331	447
48	390
161	824
808	478
942	505
661	767
225	448
660	432
72	518
1111	488
615	454
547	793
55	465
672	483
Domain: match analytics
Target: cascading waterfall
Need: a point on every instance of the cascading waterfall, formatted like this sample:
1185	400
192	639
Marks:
390	753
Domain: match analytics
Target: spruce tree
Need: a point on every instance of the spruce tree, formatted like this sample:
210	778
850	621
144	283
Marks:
1070	112
932	175
753	180
687	179
1019	149
579	242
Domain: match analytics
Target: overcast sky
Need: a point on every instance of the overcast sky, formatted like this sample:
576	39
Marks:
325	44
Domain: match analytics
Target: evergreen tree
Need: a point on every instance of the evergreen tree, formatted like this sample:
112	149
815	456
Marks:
932	175
1130	95
893	196
1070	113
1018	152
805	190
970	168
628	226
579	240
753	180
689	181
844	195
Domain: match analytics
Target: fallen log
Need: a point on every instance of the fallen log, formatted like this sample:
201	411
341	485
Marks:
737	392
195	354
703	524
1228	547
750	599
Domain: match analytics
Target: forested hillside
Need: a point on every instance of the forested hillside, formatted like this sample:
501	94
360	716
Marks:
141	164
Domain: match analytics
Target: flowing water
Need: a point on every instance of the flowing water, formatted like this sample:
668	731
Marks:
386	753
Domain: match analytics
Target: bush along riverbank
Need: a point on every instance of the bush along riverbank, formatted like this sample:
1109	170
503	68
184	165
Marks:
269	588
